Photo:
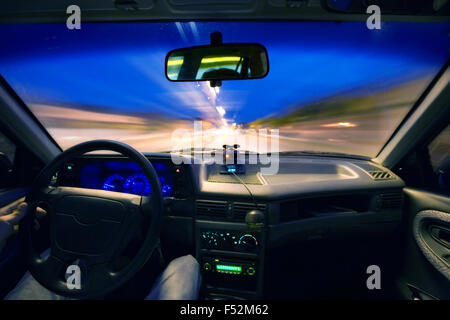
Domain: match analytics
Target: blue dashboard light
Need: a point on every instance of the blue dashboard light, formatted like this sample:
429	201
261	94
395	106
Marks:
137	184
167	190
114	183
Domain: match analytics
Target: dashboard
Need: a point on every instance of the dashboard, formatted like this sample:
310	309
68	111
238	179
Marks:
309	200
121	175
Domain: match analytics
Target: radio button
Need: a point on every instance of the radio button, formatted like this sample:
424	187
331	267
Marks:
251	271
207	266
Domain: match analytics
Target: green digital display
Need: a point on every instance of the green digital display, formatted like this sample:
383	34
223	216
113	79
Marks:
228	268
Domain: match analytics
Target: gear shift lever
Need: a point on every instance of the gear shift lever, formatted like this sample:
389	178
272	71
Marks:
254	219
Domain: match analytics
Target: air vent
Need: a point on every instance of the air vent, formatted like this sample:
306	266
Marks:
381	175
240	209
390	200
212	208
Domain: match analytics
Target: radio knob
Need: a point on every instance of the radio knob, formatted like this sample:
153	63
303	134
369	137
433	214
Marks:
248	242
207	266
251	271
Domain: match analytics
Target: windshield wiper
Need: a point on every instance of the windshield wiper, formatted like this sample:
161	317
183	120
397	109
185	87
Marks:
324	153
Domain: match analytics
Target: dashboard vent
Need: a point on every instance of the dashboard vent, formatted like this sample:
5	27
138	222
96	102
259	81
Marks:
240	209
212	208
380	175
390	200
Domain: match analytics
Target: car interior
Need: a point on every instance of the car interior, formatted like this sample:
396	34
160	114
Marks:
284	144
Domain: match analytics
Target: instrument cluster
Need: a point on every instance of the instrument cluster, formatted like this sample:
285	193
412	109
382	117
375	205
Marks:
136	183
124	176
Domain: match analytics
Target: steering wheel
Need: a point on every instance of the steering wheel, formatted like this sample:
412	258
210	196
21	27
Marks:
89	228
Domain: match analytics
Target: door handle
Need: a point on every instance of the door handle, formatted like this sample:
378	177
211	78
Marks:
431	230
441	234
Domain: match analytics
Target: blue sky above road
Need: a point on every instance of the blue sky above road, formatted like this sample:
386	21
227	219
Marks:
121	66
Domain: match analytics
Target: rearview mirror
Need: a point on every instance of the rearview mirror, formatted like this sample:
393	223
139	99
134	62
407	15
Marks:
233	61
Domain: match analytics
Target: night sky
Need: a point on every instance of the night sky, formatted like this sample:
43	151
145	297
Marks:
121	65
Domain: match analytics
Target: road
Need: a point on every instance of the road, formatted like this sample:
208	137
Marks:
359	134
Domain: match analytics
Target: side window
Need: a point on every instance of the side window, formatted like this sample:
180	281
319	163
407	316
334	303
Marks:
7	147
7	155
439	152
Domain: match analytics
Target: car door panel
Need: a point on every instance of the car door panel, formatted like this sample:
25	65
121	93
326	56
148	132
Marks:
425	272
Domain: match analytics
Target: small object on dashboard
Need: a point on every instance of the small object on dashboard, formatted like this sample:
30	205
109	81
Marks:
233	168
230	160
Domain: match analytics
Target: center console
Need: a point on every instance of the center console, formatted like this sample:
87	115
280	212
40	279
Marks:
231	257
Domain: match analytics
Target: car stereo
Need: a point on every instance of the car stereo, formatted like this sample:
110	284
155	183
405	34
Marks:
229	266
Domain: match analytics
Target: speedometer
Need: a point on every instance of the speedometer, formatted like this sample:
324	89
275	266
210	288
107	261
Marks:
137	184
114	183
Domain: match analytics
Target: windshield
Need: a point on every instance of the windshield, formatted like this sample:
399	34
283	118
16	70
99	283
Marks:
331	87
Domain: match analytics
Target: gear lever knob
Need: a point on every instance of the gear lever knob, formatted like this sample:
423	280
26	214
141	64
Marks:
254	219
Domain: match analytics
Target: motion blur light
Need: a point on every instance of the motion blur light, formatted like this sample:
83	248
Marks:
339	124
